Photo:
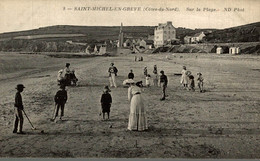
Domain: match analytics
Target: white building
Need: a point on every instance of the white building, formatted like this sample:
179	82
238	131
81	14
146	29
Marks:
164	33
198	37
234	50
219	50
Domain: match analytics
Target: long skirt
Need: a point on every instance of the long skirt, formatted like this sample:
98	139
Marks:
137	117
184	79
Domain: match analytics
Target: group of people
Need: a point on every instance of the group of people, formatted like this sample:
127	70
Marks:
66	76
137	116
187	80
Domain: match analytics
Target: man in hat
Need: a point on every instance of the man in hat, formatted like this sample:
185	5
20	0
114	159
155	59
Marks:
18	110
112	75
60	100
163	84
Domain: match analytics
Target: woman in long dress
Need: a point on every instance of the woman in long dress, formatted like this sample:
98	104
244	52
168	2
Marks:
184	77
137	116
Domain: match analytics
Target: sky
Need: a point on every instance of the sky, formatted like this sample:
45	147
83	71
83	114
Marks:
17	15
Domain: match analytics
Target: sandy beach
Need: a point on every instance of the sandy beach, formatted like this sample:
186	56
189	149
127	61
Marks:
223	122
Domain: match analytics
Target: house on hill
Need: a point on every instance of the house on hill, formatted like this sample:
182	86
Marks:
164	33
99	49
128	43
146	44
195	38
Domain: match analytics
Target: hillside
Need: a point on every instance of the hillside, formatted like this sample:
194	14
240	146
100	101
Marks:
93	32
245	33
90	32
53	38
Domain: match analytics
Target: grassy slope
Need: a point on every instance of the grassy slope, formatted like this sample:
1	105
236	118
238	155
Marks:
249	32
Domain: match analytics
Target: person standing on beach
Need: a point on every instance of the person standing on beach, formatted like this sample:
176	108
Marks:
200	82
155	77
145	71
112	75
137	117
131	75
60	101
106	101
163	84
184	77
18	110
154	69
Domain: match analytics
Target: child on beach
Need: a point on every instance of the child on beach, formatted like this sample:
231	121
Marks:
145	71
60	101
184	77
155	80
74	79
200	81
148	80
106	101
18	110
191	83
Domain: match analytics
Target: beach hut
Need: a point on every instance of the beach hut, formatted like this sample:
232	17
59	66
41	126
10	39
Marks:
219	50
238	50
234	50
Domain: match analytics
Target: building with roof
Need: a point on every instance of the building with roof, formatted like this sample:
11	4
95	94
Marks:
164	33
146	44
195	38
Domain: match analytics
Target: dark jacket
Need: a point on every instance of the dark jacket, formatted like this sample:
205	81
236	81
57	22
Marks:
164	80
155	70
61	97
106	98
18	101
131	76
112	70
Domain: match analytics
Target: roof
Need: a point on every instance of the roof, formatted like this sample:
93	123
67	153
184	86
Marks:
198	34
162	25
149	42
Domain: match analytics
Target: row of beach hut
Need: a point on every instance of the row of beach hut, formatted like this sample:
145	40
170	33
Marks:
232	50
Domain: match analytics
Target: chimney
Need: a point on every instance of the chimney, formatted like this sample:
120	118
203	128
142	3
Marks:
169	22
